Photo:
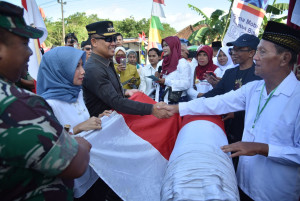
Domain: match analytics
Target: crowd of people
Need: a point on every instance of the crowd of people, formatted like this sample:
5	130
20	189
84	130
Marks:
249	82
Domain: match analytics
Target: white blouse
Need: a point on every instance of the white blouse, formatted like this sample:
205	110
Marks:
70	113
203	86
147	85
74	114
179	79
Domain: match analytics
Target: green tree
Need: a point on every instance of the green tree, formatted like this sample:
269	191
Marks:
168	31
213	27
76	23
273	13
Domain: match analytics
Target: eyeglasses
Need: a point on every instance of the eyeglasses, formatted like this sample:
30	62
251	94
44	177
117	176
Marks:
108	39
237	50
87	48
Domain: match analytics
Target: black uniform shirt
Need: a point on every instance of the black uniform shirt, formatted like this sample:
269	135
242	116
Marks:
102	89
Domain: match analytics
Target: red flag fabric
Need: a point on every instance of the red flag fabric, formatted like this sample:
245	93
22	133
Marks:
159	1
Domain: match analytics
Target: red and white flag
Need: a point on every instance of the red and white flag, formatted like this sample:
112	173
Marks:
34	18
132	154
157	9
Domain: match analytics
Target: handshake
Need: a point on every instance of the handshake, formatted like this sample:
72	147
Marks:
162	110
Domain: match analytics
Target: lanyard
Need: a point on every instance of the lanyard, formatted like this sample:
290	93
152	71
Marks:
259	112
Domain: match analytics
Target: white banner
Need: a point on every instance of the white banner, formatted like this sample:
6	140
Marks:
33	17
245	18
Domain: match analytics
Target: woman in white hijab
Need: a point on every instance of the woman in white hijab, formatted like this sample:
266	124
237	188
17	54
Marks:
224	61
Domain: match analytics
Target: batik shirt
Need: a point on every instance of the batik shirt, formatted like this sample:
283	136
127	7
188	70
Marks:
34	148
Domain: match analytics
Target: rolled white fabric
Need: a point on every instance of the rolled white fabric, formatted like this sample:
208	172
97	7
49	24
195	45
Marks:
198	169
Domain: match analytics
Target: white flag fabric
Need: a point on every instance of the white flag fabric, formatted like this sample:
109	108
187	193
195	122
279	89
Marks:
157	10
130	165
130	153
34	18
245	18
198	169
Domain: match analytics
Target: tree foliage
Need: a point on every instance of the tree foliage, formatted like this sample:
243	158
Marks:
129	27
274	13
213	27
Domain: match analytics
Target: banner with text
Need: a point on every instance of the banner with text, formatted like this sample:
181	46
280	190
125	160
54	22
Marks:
245	18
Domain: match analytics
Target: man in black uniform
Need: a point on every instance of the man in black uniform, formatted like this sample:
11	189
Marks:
102	90
243	51
101	87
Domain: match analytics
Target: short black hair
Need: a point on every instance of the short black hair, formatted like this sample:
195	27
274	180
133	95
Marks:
156	50
119	34
216	48
70	35
280	50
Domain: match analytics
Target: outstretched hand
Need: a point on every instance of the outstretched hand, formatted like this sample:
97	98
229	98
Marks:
170	108
246	149
159	111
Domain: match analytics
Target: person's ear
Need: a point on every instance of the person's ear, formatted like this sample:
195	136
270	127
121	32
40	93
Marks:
94	42
285	58
252	53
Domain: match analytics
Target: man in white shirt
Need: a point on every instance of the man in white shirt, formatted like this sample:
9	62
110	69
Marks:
269	153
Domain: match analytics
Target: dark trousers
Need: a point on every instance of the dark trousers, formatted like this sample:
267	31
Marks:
100	191
244	196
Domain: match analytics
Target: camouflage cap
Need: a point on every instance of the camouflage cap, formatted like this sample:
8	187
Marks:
11	19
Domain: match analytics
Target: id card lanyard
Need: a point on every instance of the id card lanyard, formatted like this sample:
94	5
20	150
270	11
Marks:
258	112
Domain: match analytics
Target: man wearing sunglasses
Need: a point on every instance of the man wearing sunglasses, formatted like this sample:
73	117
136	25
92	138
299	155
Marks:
102	90
86	46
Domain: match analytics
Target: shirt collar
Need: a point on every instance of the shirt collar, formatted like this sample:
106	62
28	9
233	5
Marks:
103	60
286	87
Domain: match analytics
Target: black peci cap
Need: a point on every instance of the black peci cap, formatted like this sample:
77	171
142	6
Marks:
104	28
282	35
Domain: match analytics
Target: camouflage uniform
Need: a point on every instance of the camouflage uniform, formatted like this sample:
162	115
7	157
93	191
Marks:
34	148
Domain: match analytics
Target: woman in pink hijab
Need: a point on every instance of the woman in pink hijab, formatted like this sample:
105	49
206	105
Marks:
175	74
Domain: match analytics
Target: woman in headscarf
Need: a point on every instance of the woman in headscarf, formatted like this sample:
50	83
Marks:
129	76
205	67
59	81
175	76
224	61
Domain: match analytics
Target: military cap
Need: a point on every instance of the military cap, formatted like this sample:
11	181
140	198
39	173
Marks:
104	28
282	35
245	40
11	19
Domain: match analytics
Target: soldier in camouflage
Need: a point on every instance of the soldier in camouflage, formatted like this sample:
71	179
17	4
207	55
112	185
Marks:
38	159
